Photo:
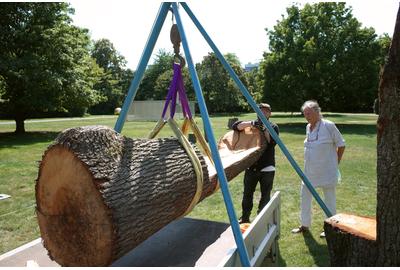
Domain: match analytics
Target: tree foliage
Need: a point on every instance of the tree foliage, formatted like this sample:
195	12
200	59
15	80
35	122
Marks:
44	62
113	82
220	91
162	63
253	79
322	52
158	77
163	82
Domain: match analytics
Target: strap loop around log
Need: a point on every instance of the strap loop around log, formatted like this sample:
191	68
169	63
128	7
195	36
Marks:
203	144
160	124
195	161
188	123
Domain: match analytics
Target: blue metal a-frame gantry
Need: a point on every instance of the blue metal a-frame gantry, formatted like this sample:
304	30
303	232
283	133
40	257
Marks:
162	13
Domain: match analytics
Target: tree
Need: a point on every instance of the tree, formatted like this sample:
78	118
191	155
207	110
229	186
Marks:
163	62
125	82
44	62
253	78
163	82
384	42
321	52
111	86
220	91
388	157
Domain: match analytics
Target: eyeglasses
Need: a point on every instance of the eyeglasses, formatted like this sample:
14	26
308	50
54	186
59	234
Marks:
309	139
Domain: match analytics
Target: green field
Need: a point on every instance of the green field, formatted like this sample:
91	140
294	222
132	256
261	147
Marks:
356	193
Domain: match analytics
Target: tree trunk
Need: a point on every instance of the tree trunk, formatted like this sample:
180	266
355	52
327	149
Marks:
388	160
100	194
348	242
19	125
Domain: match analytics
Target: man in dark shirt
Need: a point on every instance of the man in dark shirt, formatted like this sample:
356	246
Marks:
262	171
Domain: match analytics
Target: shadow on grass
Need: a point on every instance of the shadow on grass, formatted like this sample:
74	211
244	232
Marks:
300	115
318	251
356	129
268	260
10	139
281	261
338	115
295	115
289	116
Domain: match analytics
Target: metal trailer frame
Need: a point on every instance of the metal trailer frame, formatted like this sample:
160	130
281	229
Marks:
261	238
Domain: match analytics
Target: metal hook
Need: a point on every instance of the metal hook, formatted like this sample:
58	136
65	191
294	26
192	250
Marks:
176	41
172	15
179	59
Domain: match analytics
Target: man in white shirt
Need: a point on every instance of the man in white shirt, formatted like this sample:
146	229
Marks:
323	149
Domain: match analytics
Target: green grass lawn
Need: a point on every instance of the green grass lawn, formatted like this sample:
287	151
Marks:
19	156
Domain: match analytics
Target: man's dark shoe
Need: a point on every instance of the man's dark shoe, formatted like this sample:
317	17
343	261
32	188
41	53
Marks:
301	229
243	220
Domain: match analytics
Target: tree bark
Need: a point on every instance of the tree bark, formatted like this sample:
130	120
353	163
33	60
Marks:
19	125
388	157
100	194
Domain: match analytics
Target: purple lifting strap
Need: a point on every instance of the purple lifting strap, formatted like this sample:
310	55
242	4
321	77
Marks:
172	86
183	98
176	86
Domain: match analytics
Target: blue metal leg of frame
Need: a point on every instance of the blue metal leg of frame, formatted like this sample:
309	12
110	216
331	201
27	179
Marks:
244	258
258	111
148	49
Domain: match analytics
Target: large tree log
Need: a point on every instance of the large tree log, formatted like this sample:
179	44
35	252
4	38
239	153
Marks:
100	194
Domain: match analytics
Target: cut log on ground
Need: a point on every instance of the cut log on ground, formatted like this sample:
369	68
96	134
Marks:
100	194
351	240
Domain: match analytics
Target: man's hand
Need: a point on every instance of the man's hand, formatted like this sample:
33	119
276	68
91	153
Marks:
258	124
262	128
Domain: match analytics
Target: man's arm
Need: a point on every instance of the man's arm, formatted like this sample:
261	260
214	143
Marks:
340	151
241	125
267	136
244	124
276	128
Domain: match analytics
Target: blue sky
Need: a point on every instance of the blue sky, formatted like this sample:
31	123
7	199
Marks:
236	27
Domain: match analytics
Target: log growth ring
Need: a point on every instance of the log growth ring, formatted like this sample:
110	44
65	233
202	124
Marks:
62	208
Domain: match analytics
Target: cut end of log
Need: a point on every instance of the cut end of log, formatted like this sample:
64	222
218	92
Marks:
363	227
351	240
72	221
